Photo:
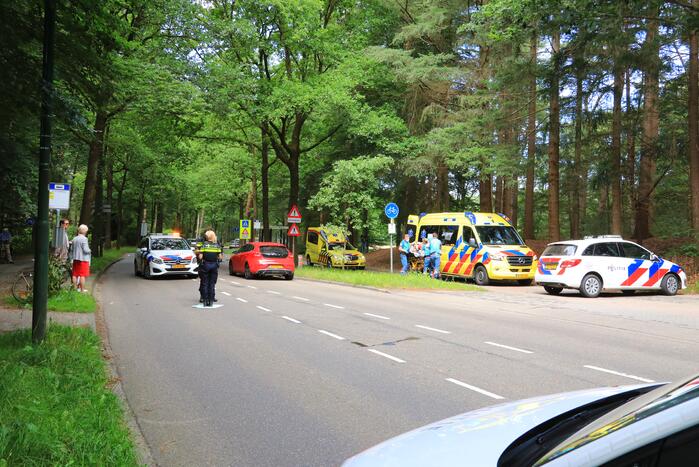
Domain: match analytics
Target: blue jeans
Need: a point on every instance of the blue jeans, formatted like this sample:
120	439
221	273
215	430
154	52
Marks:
404	263
428	264
435	259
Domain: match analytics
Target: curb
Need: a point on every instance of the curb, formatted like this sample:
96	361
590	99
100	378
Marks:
143	449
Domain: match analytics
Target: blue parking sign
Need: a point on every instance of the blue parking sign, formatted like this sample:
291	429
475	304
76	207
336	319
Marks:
391	210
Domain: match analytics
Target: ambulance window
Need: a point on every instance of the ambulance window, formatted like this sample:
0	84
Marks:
468	235
630	250
606	249
425	230
313	237
448	234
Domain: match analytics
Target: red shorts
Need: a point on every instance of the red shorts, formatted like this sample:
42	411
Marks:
81	268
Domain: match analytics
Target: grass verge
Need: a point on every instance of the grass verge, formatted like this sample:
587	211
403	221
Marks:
65	300
108	257
383	280
55	406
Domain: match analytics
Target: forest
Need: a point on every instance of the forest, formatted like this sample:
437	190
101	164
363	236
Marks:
572	117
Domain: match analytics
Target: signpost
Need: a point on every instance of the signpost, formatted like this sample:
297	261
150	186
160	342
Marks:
293	217
59	198
245	229
391	210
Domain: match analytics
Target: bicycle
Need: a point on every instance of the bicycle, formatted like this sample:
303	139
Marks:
22	286
24	283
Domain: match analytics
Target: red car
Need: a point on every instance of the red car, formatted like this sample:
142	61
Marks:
258	259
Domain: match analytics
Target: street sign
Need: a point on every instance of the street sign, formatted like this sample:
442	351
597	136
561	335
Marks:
294	215
391	228
391	210
293	231
257	224
245	230
59	196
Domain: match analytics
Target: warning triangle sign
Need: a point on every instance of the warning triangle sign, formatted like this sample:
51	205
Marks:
245	234
294	213
293	231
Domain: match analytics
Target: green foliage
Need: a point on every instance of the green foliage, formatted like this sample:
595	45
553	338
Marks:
55	404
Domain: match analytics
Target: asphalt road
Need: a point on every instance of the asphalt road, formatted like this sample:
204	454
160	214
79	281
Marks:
299	373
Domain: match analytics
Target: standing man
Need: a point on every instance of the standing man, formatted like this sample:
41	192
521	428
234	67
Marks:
435	253
210	255
62	242
404	249
427	258
5	240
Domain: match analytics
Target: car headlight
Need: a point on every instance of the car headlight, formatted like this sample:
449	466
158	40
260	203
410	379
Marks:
536	258
498	257
337	257
156	260
194	259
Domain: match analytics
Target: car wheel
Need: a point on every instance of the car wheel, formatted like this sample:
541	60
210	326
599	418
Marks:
136	272
248	272
480	277
628	292
289	276
308	260
524	282
329	264
591	286
230	270
670	284
553	290
146	271
361	268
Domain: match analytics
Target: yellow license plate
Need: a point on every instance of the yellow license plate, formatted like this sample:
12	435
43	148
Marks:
179	266
550	266
275	266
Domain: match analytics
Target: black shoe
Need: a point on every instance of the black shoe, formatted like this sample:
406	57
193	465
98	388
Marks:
201	300
216	299
208	303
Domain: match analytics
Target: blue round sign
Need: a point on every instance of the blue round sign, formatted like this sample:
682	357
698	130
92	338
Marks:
391	210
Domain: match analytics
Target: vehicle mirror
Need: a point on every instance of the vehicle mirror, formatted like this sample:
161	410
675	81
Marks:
472	242
654	257
144	249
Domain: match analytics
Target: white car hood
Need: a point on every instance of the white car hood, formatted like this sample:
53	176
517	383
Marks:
475	438
174	254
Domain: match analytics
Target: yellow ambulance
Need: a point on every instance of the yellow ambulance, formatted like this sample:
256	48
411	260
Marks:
482	246
330	248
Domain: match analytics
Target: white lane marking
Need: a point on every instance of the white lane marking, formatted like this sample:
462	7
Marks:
625	375
334	306
274	292
226	293
111	303
340	338
390	357
301	298
474	388
377	316
251	287
234	282
442	331
193	280
508	347
263	308
241	299
291	319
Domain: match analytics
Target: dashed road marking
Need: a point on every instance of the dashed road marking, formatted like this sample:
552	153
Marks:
301	298
234	282
226	293
377	316
335	336
508	347
291	319
385	355
625	375
241	299
334	306
474	388
251	287
263	308
274	292
441	331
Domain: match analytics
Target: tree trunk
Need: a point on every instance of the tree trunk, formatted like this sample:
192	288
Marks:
161	217
616	147
554	228
95	154
98	215
266	232
649	139
630	146
531	147
442	187
577	156
485	191
498	198
603	207
693	120
108	205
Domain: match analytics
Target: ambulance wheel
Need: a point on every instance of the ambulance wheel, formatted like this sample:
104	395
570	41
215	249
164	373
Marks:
248	273
524	282
591	286
670	284
553	290
308	260
480	277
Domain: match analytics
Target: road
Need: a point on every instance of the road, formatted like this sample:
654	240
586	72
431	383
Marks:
300	373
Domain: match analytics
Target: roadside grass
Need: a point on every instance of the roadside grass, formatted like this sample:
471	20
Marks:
108	257
383	280
55	404
66	300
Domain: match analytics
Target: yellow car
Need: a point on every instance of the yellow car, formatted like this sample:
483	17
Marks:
482	246
331	249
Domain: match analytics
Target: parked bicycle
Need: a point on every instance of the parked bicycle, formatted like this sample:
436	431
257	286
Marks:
59	279
22	286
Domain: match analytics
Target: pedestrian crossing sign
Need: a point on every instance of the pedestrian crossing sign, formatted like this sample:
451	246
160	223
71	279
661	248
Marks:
245	231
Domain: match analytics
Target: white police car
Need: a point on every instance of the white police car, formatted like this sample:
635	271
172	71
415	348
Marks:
161	254
606	262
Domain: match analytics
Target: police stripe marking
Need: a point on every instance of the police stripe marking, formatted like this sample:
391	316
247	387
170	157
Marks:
474	388
625	375
385	355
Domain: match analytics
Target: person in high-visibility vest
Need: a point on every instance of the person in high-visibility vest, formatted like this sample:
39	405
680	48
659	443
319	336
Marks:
210	254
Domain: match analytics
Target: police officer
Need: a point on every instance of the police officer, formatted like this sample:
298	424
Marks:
198	243
210	255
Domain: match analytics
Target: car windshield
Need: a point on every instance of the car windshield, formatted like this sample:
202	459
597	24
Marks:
644	406
498	235
168	244
559	250
341	246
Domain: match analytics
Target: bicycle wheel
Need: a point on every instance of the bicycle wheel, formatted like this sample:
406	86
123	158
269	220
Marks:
22	287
